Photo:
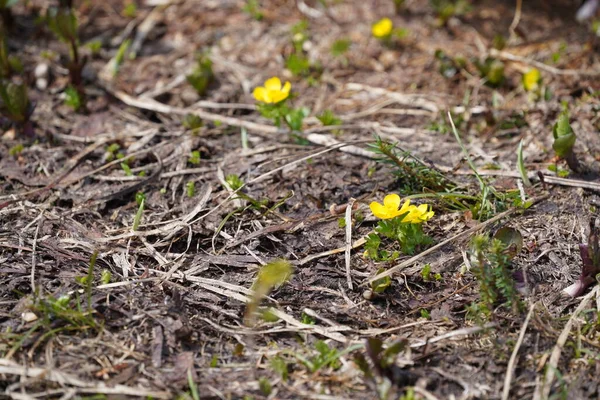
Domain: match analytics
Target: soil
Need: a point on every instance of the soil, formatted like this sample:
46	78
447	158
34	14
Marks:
164	313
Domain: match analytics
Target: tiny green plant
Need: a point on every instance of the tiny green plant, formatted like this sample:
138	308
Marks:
15	105
492	70
94	46
140	212
194	158
193	123
202	75
564	141
265	386
252	8
63	22
426	272
379	286
16	150
521	165
324	356
446	9
270	276
491	260
328	118
340	47
190	189
413	174
117	61
279	365
105	277
72	98
130	10
298	64
8	64
126	169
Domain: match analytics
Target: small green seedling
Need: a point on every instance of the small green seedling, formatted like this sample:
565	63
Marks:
491	260
130	10
202	75
105	277
190	189
194	157
72	98
16	150
138	215
521	166
380	285
270	276
8	64
340	47
298	64
94	46
117	61
446	9
193	123
252	8
492	70
15	105
564	141
63	22
328	118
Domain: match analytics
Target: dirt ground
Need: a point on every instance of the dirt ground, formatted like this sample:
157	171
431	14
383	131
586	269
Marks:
163	316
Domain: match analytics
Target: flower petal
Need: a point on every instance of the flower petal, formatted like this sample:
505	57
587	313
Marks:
286	87
406	207
260	93
273	84
277	96
379	210
392	201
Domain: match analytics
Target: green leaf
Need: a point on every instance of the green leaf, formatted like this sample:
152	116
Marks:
202	75
521	165
274	274
564	136
511	238
380	285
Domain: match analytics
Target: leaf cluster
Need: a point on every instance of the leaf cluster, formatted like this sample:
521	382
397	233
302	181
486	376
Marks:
202	75
413	174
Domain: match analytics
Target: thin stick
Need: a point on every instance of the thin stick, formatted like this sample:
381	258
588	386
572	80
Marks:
349	241
438	246
516	19
555	71
513	357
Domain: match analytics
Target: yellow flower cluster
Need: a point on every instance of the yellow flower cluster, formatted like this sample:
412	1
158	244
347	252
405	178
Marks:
273	92
391	209
382	28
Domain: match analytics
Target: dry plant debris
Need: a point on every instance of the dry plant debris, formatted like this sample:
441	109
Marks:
190	199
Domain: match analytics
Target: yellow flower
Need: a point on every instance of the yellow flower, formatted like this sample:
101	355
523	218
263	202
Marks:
272	92
382	28
532	79
418	214
390	207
